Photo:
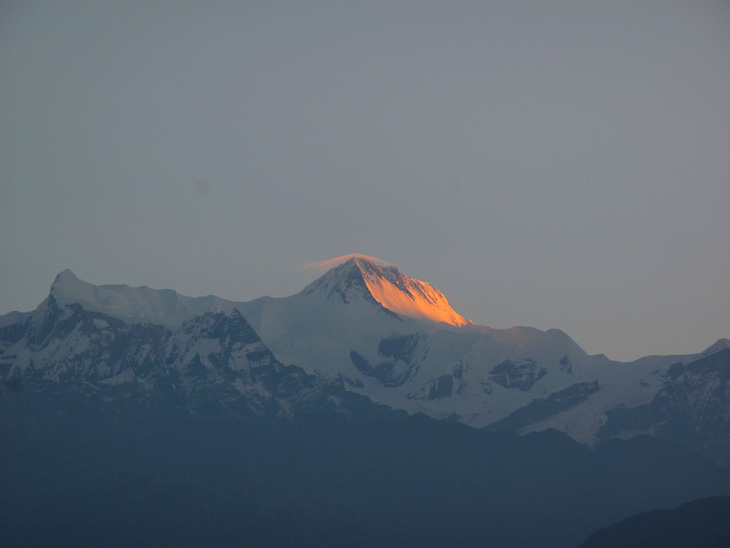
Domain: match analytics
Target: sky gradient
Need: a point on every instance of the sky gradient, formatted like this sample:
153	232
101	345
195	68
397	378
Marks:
553	164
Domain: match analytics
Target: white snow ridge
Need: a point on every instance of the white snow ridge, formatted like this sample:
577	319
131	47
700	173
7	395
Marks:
134	304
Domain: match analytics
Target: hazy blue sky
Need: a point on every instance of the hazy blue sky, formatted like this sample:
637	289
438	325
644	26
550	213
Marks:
553	164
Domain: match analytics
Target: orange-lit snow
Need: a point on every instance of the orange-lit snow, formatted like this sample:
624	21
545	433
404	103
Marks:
416	300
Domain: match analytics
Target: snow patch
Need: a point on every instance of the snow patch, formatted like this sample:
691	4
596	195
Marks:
123	377
135	304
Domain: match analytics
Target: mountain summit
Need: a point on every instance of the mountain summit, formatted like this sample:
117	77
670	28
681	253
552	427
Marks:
134	304
361	277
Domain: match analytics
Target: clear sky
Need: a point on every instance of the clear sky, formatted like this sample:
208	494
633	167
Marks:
554	164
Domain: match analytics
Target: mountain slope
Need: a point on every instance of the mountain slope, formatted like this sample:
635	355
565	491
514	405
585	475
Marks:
691	408
131	416
388	287
341	326
84	473
214	363
370	331
134	304
702	523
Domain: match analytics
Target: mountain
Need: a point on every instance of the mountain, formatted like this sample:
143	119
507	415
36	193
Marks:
520	379
362	277
691	407
214	364
374	333
398	341
81	473
701	523
134	416
134	304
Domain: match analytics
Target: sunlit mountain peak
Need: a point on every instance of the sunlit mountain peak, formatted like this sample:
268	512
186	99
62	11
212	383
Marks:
362	276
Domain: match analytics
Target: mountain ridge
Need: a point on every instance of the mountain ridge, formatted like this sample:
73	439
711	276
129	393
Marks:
335	329
135	304
171	308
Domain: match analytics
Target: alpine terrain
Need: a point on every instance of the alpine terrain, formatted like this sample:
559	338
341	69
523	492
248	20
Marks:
361	411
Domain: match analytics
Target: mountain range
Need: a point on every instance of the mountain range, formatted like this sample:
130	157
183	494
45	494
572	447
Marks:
365	395
374	332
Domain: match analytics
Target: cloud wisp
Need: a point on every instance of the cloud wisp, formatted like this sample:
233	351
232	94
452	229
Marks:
329	263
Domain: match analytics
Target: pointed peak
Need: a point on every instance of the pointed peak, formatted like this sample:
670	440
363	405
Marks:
67	284
366	265
718	346
133	304
361	277
65	276
344	283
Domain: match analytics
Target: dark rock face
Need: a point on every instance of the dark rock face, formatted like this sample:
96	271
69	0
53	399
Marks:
396	348
441	387
517	373
399	347
383	372
540	409
215	363
71	344
691	408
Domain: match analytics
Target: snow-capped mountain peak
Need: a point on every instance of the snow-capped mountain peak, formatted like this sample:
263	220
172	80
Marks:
361	277
134	304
